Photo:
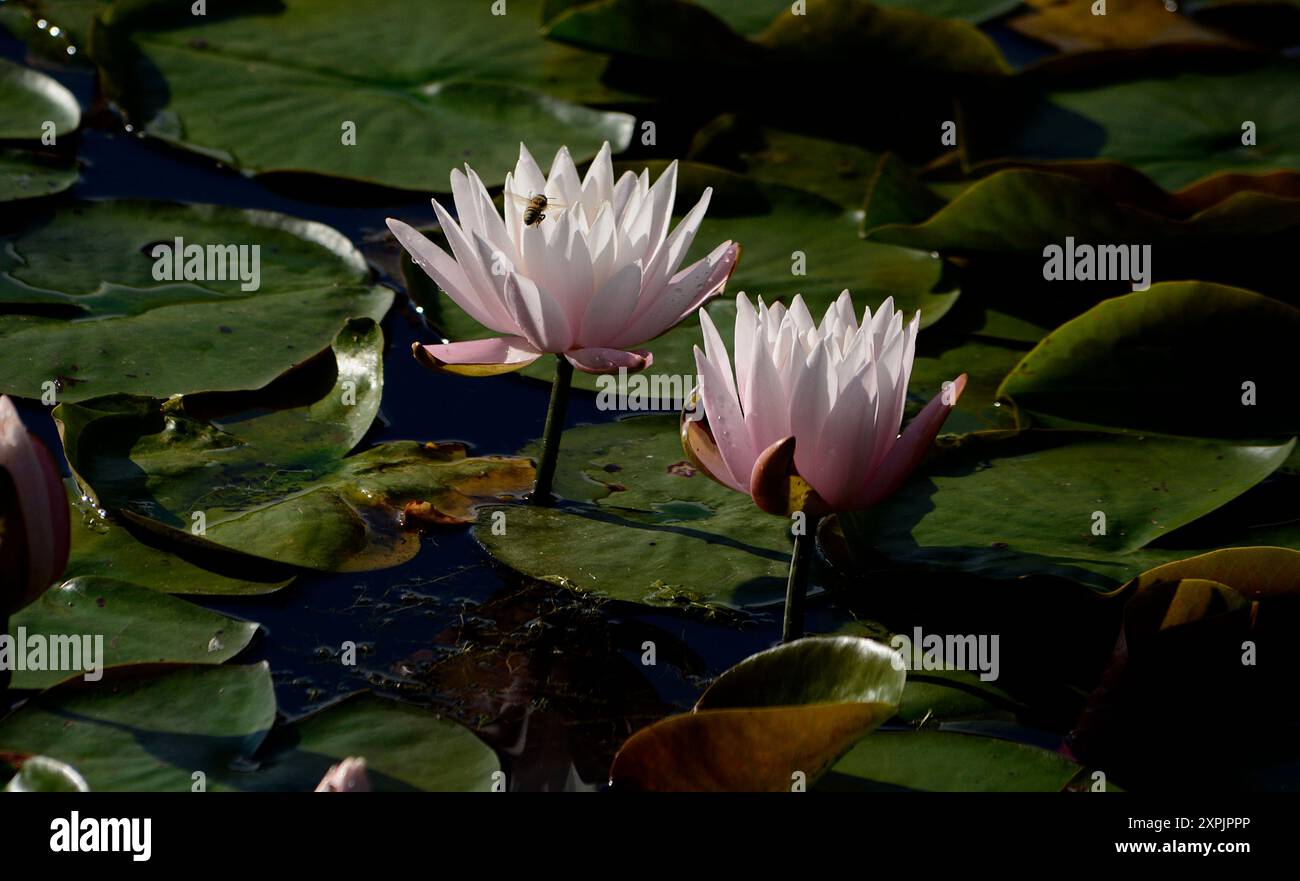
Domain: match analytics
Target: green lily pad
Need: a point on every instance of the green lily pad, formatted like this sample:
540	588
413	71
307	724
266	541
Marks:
43	774
149	733
750	17
653	531
123	552
828	31
825	243
29	99
405	748
945	761
1008	504
25	175
774	722
1111	364
137	625
1238	238
1175	129
161	337
428	85
265	473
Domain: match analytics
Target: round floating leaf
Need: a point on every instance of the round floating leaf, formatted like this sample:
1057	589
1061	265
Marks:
25	175
1127	24
136	625
28	100
149	733
43	774
789	711
426	86
264	473
825	243
1233	229
1175	129
1007	504
654	531
405	748
1256	573
101	546
1182	358
944	761
97	261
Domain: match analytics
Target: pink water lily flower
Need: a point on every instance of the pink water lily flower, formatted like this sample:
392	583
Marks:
35	529
592	278
348	775
810	418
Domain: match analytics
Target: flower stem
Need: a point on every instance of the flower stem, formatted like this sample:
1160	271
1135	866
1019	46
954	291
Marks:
541	494
796	589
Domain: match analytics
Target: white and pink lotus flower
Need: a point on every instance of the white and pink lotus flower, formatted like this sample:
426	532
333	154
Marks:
599	276
821	404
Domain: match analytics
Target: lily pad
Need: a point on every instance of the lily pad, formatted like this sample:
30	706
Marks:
1255	573
43	774
1127	24
1141	361
781	230
1176	129
29	99
774	722
104	547
137	626
1233	234
652	530
827	31
405	748
25	175
101	323
945	761
427	85
149	733
1008	504
265	474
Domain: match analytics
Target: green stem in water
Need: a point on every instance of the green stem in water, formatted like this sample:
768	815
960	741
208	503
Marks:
796	589
541	494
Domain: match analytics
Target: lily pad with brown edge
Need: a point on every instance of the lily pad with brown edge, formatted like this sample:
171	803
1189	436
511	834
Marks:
645	526
1128	24
1176	128
1235	237
149	730
33	104
298	87
266	473
175	564
1255	573
1092	507
406	748
774	722
113	318
29	175
825	244
948	761
1140	361
101	623
1180	638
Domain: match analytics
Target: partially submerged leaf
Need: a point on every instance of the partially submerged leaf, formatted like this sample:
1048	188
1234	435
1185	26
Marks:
774	722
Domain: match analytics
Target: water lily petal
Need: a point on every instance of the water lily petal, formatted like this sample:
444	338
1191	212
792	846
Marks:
910	449
444	271
601	360
689	290
541	319
478	357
